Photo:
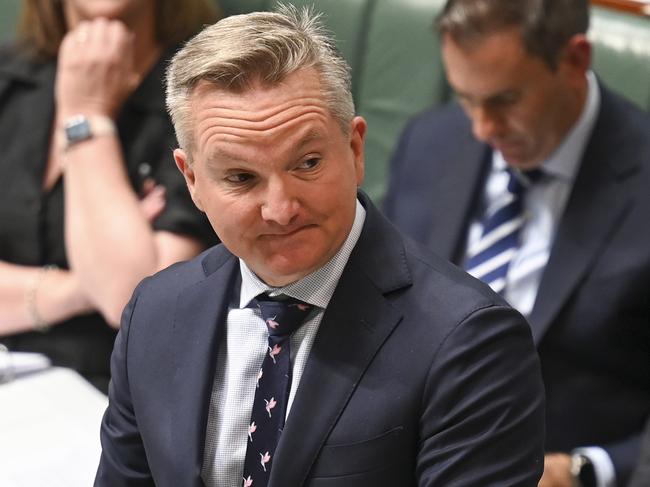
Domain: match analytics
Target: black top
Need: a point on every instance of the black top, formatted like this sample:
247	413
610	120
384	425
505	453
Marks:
32	221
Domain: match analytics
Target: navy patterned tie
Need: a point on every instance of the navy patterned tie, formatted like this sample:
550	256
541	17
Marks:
489	258
282	317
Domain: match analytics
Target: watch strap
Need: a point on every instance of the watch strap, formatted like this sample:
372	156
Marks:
79	128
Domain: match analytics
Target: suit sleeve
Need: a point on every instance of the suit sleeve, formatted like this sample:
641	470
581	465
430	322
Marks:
483	419
641	475
390	199
623	455
123	461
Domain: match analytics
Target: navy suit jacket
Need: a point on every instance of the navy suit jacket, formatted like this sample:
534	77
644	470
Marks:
591	317
641	475
419	375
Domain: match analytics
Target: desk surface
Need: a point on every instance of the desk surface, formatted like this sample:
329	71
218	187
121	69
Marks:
49	424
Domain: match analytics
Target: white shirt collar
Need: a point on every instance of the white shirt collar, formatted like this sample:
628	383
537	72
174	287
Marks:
316	288
565	160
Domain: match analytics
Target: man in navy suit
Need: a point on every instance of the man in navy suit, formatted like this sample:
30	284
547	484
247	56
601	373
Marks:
406	372
529	108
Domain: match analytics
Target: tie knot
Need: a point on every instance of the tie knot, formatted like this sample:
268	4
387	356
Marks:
522	180
282	316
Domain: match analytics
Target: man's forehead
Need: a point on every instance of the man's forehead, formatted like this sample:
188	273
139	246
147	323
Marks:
492	68
260	94
502	49
234	149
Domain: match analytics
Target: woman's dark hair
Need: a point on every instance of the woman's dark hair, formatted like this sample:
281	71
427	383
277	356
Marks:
42	26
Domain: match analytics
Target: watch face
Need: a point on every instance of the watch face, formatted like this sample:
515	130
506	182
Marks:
587	474
77	131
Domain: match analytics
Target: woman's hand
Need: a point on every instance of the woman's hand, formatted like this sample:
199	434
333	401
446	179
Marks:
152	200
96	69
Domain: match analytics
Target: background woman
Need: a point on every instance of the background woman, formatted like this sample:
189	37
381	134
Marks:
90	199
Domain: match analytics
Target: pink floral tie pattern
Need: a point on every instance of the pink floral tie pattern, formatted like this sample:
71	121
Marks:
282	318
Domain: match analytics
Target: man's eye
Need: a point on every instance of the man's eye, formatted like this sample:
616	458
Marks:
505	100
310	163
239	178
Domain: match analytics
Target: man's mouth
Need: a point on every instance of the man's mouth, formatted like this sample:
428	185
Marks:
286	233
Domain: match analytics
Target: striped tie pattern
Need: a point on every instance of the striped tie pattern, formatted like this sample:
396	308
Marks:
489	258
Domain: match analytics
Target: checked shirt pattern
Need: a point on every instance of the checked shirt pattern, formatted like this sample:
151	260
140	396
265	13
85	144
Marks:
282	317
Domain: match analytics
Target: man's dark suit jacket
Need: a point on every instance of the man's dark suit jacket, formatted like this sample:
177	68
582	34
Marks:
641	475
419	375
591	318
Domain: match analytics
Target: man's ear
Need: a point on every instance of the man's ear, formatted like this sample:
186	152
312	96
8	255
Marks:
576	58
358	129
186	168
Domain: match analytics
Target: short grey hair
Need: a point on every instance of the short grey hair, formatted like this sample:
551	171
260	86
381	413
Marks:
262	47
545	25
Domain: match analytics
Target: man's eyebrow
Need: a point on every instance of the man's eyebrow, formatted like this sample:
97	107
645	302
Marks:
309	137
493	97
220	154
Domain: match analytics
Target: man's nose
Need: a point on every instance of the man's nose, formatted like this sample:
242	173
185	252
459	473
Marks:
485	125
280	204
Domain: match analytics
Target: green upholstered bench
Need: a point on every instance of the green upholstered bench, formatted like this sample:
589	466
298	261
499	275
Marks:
397	70
622	53
8	16
396	64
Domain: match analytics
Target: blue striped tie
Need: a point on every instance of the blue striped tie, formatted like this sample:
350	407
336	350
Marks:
489	258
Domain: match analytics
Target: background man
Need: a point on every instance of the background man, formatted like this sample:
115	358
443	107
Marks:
404	372
573	251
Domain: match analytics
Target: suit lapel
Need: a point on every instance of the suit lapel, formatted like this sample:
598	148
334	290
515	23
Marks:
355	325
454	195
198	326
596	207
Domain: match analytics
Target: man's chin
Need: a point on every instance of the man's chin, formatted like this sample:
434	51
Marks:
519	160
284	272
516	156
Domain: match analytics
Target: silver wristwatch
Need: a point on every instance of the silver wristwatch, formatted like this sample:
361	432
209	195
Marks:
80	127
582	471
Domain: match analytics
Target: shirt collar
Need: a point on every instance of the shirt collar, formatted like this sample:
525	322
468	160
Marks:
565	160
563	163
316	288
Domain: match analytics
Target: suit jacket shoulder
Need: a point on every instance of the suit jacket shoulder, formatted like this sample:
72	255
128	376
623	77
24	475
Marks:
435	170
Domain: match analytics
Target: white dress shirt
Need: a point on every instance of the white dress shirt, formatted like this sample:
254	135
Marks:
241	353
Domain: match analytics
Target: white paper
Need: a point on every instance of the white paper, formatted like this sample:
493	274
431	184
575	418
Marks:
49	430
16	364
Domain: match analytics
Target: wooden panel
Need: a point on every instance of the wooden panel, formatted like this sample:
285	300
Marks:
639	7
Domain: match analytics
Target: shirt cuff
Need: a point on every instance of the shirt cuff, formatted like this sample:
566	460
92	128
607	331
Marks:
603	466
